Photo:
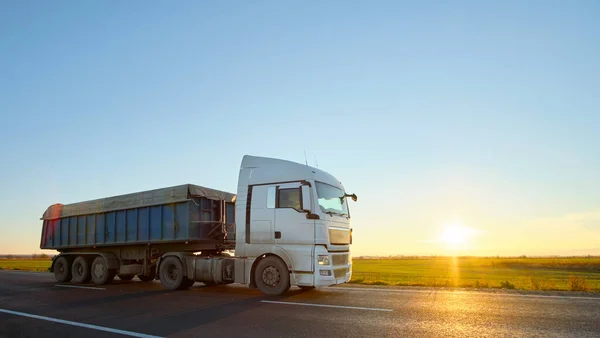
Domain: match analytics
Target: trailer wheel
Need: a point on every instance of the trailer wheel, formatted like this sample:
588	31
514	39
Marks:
171	273
100	272
272	276
62	270
80	270
125	277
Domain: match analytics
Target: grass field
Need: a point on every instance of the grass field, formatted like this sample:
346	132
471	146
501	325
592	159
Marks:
25	264
573	274
568	274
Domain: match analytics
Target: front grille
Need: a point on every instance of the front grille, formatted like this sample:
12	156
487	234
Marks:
340	259
339	236
339	273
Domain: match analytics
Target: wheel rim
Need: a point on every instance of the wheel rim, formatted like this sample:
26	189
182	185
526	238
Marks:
99	271
79	269
61	268
172	272
270	276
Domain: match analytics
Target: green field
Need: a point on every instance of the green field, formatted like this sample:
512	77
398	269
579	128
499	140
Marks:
567	274
25	264
573	274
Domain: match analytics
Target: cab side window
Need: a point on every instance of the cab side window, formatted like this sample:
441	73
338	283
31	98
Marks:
289	198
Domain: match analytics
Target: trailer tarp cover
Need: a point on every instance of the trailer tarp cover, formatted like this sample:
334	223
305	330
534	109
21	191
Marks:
135	200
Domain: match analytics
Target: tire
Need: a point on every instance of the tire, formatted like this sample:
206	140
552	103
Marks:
125	277
80	270
62	270
272	276
171	273
100	273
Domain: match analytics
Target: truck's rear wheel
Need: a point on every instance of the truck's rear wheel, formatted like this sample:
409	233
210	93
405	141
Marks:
272	276
171	274
100	272
80	269
125	277
62	270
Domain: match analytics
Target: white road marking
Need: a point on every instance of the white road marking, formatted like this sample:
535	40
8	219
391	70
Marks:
87	326
327	305
79	287
464	293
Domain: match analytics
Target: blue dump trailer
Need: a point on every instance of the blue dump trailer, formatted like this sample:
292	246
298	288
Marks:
126	235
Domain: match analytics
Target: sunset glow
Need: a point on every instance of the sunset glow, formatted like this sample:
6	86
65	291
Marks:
455	235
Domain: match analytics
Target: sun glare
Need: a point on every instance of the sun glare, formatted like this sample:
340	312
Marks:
455	235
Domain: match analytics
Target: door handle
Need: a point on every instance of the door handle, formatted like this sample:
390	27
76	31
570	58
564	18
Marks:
277	234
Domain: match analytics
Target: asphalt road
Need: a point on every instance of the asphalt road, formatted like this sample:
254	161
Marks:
32	305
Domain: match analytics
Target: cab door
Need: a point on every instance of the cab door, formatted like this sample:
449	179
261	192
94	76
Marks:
293	231
291	224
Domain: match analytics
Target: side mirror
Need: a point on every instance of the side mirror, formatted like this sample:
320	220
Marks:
306	200
353	196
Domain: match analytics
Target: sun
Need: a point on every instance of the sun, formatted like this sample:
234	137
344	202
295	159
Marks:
455	234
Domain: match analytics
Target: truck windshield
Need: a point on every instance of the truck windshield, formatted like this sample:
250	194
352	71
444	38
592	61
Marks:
330	201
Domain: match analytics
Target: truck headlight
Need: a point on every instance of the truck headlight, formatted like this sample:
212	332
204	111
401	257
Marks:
323	259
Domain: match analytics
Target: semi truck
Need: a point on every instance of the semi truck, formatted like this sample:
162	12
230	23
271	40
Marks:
288	224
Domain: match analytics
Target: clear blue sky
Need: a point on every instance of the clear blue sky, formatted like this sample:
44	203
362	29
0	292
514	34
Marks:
485	113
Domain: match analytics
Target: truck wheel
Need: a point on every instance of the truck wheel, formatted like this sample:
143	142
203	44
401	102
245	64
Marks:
62	270
171	273
271	276
125	277
100	272
80	269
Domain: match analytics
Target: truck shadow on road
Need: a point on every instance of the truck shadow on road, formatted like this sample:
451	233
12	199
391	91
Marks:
180	311
173	321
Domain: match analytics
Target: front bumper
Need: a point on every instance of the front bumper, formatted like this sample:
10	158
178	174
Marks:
338	272
339	275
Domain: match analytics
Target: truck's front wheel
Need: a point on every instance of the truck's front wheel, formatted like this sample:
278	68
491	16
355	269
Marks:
62	270
272	276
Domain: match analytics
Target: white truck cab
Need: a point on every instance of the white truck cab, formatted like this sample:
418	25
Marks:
295	214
